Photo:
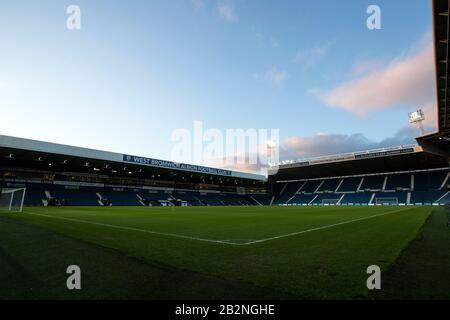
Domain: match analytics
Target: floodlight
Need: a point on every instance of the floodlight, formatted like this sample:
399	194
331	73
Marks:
417	117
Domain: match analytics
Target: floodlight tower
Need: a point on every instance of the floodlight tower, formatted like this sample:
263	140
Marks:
417	117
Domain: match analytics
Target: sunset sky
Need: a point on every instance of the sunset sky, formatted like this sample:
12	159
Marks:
139	70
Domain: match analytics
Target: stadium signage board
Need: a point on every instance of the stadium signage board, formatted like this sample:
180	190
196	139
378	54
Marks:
291	165
384	153
174	165
335	159
349	157
78	183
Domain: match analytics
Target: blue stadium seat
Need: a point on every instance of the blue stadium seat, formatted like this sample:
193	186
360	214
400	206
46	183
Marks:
350	184
121	197
372	183
288	192
264	199
302	199
424	181
398	197
329	185
357	198
398	181
311	186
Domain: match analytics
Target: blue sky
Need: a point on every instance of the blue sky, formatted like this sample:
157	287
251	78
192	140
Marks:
138	70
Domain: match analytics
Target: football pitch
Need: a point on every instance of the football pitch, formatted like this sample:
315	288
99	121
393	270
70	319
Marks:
204	252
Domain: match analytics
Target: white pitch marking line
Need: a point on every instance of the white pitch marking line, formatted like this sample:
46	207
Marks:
239	241
227	242
128	228
323	227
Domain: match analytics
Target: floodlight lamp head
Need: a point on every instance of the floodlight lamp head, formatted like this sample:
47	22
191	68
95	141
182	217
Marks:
416	116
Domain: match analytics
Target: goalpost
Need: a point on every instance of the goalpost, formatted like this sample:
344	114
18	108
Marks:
386	201
12	199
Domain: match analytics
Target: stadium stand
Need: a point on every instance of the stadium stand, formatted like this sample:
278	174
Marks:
327	199
372	183
398	182
288	190
329	185
435	180
302	199
428	197
210	199
187	196
310	187
39	194
34	196
55	174
389	198
429	187
150	197
350	184
120	197
264	199
71	176
357	198
411	188
82	196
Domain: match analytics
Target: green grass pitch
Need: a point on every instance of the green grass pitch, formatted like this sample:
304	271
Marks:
203	252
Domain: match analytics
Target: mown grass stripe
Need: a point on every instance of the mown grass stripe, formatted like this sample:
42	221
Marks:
226	242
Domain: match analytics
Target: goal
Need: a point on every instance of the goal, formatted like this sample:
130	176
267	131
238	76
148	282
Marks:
12	199
387	201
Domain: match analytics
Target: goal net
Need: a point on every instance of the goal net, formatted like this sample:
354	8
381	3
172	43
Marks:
12	199
386	201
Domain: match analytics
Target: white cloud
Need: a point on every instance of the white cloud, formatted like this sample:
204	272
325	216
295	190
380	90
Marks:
366	66
273	76
326	144
310	57
227	11
406	81
238	162
317	145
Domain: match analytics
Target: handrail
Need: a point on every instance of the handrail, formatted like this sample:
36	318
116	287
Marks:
344	155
